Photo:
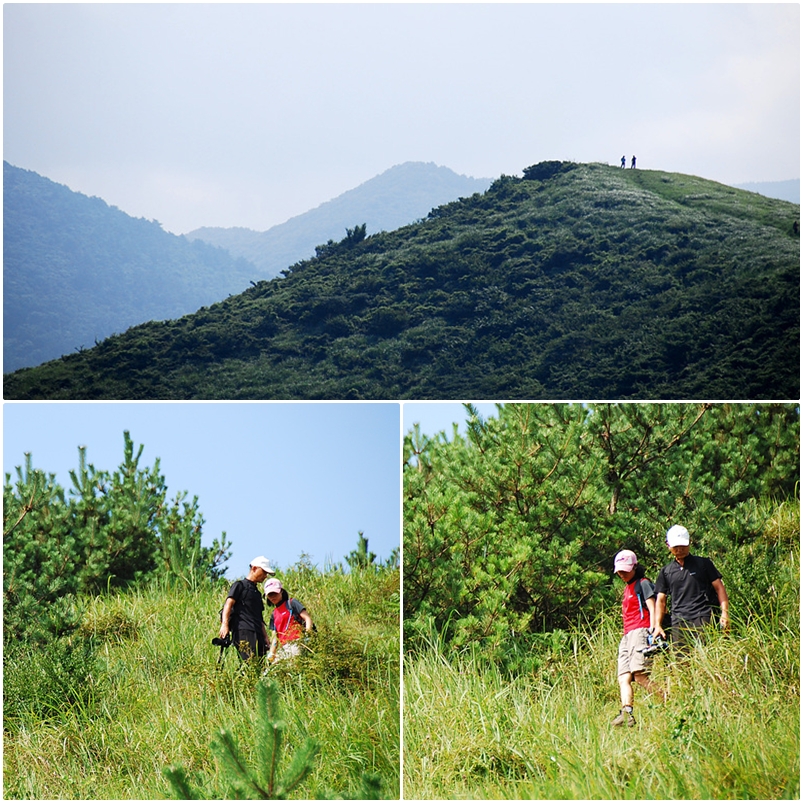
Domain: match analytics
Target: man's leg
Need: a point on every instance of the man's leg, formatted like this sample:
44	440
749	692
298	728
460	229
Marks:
249	644
687	634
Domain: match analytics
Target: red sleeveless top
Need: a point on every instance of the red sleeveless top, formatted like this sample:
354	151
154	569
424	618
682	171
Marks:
633	615
285	624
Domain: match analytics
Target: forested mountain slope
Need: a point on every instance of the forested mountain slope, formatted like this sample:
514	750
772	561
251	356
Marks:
398	196
76	270
576	281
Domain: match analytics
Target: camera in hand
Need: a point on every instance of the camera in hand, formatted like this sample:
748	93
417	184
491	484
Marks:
222	642
654	644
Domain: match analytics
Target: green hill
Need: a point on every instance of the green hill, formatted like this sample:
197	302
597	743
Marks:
575	281
394	198
76	270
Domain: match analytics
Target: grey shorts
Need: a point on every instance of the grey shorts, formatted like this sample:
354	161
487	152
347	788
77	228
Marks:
630	659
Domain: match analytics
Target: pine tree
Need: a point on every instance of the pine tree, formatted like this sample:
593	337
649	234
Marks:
360	558
40	558
112	529
512	528
265	781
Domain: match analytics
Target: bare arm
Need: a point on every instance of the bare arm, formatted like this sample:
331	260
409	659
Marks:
722	596
224	617
307	619
660	610
651	608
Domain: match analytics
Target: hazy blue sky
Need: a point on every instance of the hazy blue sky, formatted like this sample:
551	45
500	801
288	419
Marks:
227	114
279	478
435	417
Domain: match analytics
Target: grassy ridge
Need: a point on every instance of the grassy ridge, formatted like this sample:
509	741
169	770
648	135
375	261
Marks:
590	282
156	696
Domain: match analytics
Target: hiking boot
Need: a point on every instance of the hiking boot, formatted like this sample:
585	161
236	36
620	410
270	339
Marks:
624	717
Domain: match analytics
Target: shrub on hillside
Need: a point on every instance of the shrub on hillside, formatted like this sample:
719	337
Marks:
545	170
112	530
42	684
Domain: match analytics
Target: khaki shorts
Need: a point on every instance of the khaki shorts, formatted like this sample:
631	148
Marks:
630	659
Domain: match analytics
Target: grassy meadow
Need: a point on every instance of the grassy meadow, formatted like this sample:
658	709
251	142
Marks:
151	694
729	730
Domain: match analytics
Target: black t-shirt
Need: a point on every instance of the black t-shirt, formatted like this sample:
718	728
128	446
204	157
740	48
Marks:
248	606
687	586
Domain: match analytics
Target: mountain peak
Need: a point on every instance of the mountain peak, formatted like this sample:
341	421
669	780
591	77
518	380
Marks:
400	195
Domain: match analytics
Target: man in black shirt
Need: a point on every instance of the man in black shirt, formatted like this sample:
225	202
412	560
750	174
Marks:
687	580
242	612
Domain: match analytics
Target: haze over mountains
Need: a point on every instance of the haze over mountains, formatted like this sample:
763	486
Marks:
77	270
575	281
398	196
783	190
392	199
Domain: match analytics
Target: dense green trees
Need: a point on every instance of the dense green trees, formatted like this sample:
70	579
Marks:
513	528
578	281
109	530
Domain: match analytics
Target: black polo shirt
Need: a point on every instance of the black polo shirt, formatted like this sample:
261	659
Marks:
248	606
687	586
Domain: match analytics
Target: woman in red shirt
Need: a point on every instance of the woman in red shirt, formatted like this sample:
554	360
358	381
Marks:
638	618
288	622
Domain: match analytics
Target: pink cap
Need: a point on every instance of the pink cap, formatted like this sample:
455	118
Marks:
273	586
624	561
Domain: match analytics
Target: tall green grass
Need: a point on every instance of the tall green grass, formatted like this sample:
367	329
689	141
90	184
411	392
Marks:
154	695
729	730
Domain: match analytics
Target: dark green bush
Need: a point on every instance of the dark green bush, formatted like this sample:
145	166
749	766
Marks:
545	170
44	683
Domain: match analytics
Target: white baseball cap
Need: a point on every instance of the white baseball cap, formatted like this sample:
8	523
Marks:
677	535
263	563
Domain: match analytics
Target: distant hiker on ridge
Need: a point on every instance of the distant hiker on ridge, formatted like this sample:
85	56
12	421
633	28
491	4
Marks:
624	160
632	163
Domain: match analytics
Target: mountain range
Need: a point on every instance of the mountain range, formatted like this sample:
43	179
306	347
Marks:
77	270
575	281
